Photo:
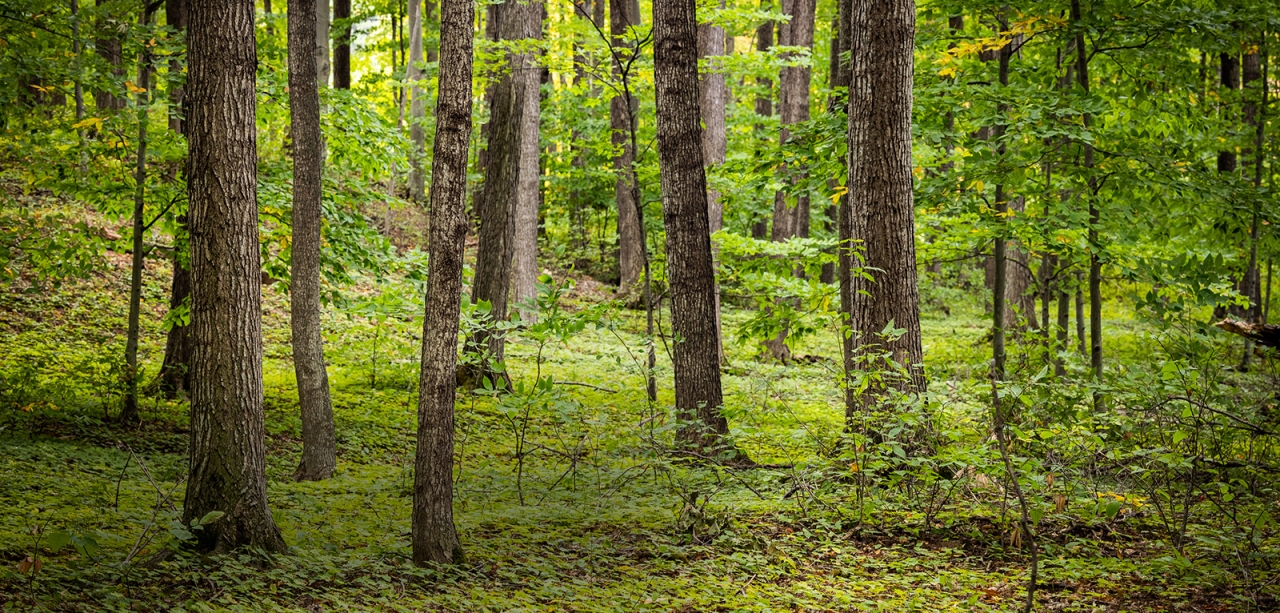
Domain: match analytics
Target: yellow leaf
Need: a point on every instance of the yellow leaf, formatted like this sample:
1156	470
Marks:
87	122
977	185
133	88
949	71
840	191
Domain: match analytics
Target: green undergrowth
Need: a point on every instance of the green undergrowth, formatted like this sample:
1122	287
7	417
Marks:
588	510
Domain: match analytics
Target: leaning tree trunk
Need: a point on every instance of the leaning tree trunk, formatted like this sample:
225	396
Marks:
622	15
793	105
319	449
516	21
435	538
695	356
417	105
880	202
227	455
342	46
524	248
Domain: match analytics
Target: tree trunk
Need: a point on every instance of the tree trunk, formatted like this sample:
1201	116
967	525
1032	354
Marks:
319	449
838	77
1080	313
695	356
129	412
880	204
1020	299
1229	73
524	256
176	16
713	102
435	538
1254	112
174	379
109	48
1095	263
342	46
323	37
623	15
227	456
494	254
417	105
764	105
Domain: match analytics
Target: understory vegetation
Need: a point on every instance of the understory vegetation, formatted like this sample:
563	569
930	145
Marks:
571	500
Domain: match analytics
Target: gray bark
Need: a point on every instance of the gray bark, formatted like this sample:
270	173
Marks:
622	15
695	355
764	105
880	210
713	101
524	256
227	455
792	219
435	538
418	103
322	42
319	448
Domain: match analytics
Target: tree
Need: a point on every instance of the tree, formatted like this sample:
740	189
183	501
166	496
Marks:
764	102
418	104
319	448
1095	262
793	105
713	101
322	42
516	21
695	356
228	463
879	213
623	14
435	538
342	48
109	48
174	379
524	248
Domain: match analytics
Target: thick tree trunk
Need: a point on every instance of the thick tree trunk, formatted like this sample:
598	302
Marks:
623	15
494	254
695	356
417	105
881	204
524	255
319	448
435	538
227	456
342	46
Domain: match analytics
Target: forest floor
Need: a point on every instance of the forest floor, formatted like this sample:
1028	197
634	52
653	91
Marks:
565	501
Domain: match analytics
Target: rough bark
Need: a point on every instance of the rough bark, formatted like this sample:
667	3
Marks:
342	45
494	254
227	456
791	219
524	255
417	105
623	15
176	16
435	538
319	448
880	210
695	355
713	102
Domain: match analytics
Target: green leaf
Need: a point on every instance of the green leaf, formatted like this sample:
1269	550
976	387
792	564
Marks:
58	540
210	517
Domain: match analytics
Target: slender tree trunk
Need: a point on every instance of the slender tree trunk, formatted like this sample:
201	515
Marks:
129	412
1095	263
881	204
342	46
1254	117
435	538
764	104
109	48
837	103
1000	311
631	247
524	257
1080	340
494	254
174	379
76	50
323	37
695	356
227	455
1064	320
417	105
319	448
